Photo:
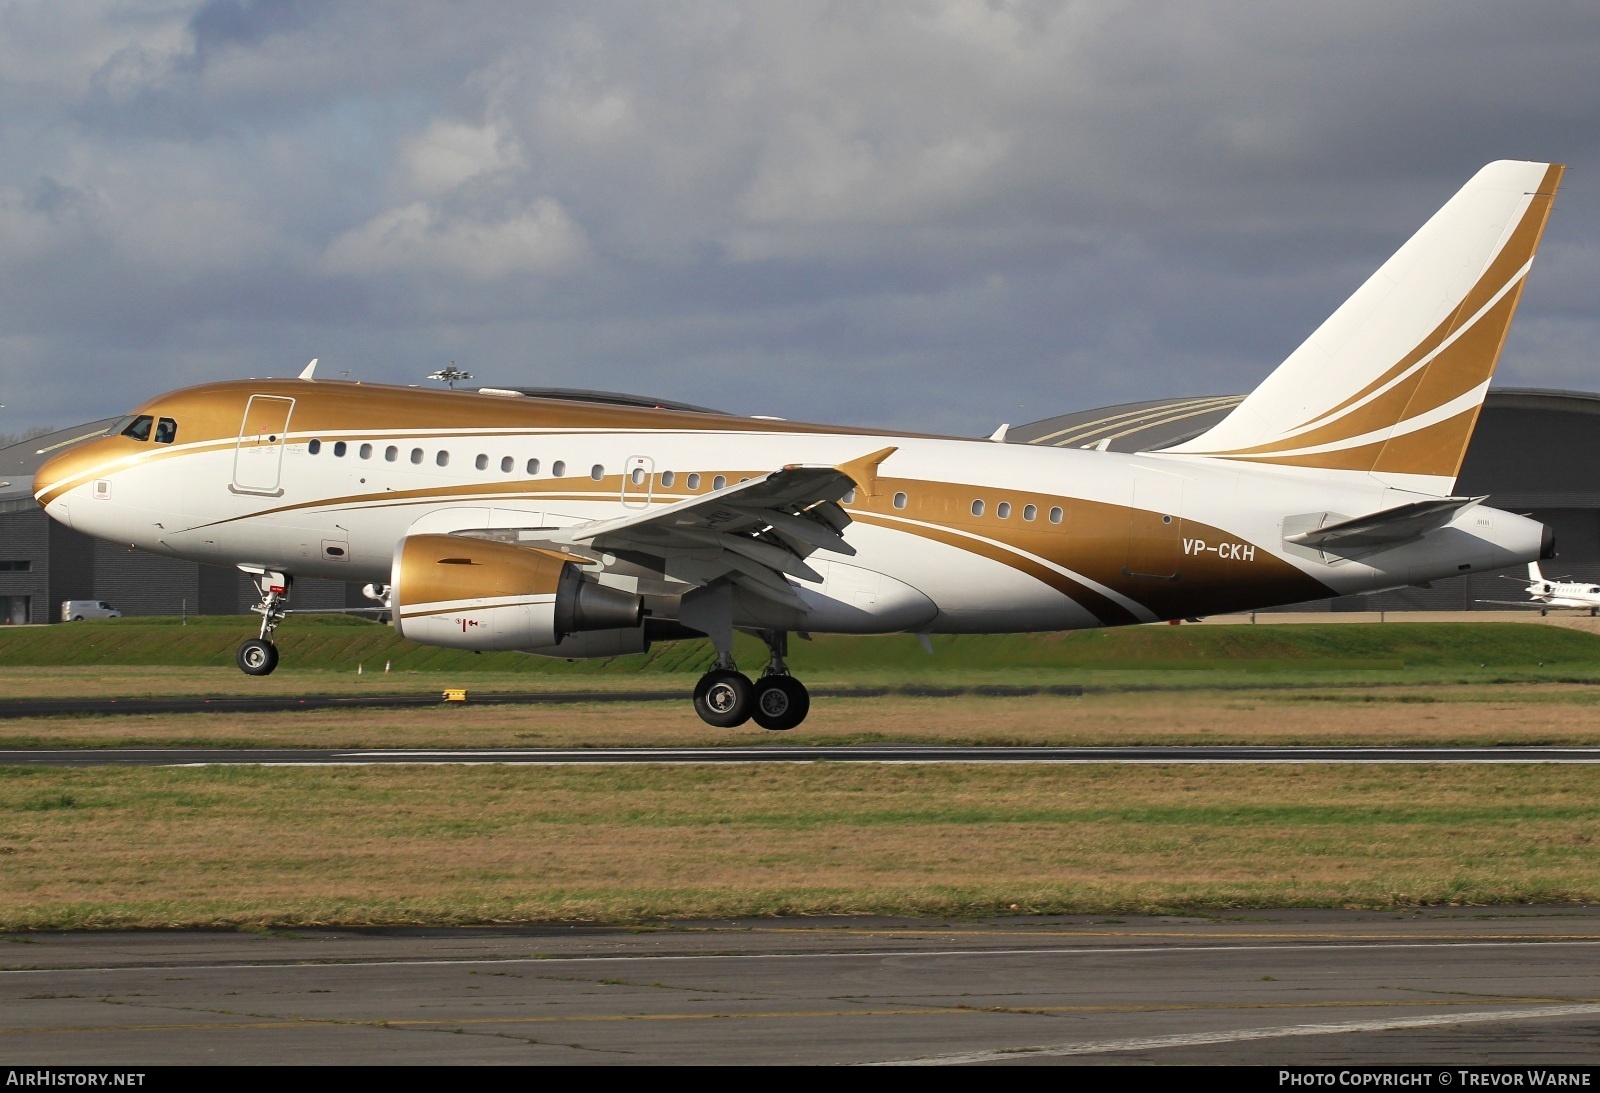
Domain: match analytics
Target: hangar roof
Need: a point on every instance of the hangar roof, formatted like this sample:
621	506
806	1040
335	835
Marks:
1161	423
18	461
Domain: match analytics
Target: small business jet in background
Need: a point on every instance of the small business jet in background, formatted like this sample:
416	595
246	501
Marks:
1545	594
489	520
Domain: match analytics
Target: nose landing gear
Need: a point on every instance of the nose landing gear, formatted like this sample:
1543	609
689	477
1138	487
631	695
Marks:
258	656
726	698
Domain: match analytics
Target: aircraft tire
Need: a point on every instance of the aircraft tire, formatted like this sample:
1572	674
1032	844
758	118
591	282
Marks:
257	657
724	698
781	702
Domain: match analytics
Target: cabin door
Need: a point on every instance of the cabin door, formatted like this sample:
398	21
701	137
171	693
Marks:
258	457
1155	526
637	481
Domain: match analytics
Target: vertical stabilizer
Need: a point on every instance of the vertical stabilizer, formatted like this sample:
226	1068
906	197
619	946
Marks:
1391	384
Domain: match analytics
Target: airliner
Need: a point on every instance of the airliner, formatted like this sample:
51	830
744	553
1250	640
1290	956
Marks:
489	520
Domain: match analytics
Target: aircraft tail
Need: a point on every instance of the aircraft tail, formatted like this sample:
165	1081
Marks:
1534	576
1391	384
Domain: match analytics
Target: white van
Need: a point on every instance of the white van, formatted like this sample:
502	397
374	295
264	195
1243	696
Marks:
78	610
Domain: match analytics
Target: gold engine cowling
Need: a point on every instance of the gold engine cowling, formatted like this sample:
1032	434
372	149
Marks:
468	593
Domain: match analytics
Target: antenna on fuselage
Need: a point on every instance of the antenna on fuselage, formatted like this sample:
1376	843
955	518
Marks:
451	375
309	371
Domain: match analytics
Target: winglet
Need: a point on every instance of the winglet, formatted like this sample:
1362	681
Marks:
309	371
999	435
864	471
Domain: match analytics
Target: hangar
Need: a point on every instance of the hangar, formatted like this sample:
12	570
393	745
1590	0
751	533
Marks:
1534	451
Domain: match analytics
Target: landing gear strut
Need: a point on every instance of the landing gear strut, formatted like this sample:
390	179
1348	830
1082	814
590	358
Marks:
258	656
726	698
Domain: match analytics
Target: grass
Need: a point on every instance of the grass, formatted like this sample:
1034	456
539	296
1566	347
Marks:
147	847
1523	714
339	644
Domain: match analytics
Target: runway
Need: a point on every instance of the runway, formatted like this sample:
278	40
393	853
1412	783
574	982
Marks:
781	753
1447	986
184	704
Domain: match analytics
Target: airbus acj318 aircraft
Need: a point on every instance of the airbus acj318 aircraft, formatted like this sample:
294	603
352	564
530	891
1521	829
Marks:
494	521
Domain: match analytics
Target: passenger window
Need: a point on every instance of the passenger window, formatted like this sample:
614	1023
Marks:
366	451
1055	515
559	468
166	431
899	500
390	454
718	482
442	459
314	447
482	462
667	479
1003	510
597	472
638	476
139	429
694	481
506	463
977	508
849	498
339	448
533	466
416	455
1029	512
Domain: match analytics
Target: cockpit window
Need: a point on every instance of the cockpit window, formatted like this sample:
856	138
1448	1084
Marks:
166	431
139	428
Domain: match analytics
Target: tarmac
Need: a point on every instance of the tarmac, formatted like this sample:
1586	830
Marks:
1456	986
781	753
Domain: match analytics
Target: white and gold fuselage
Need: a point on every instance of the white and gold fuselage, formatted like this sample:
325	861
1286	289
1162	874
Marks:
957	535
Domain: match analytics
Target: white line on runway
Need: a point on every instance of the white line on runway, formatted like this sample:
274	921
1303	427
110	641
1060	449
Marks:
870	954
1193	1039
888	762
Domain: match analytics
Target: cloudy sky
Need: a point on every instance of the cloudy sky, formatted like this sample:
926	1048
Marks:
938	215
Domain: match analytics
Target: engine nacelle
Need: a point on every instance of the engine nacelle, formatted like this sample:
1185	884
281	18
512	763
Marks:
466	593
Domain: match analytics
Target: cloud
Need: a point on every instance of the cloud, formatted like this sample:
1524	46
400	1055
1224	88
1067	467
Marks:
926	213
448	154
420	239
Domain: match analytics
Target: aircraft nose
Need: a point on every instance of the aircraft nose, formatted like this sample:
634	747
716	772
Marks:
62	475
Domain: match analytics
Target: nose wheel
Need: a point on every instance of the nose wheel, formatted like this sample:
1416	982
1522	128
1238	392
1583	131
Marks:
257	657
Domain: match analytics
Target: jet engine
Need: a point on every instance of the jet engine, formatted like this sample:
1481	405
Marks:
467	593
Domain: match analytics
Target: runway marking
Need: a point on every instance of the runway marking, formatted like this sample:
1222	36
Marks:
769	1015
1193	1039
804	754
872	954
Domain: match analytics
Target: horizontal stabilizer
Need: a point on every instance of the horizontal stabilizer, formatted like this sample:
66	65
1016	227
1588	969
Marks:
1387	528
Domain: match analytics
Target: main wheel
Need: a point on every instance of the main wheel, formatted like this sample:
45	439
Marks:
781	702
723	698
257	657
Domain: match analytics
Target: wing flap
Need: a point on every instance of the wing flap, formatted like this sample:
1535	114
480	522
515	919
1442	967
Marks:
758	533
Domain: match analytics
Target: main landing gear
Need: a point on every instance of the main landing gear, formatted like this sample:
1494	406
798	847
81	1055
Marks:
726	698
258	656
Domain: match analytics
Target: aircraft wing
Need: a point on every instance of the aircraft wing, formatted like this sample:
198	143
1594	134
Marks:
1386	528
754	532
